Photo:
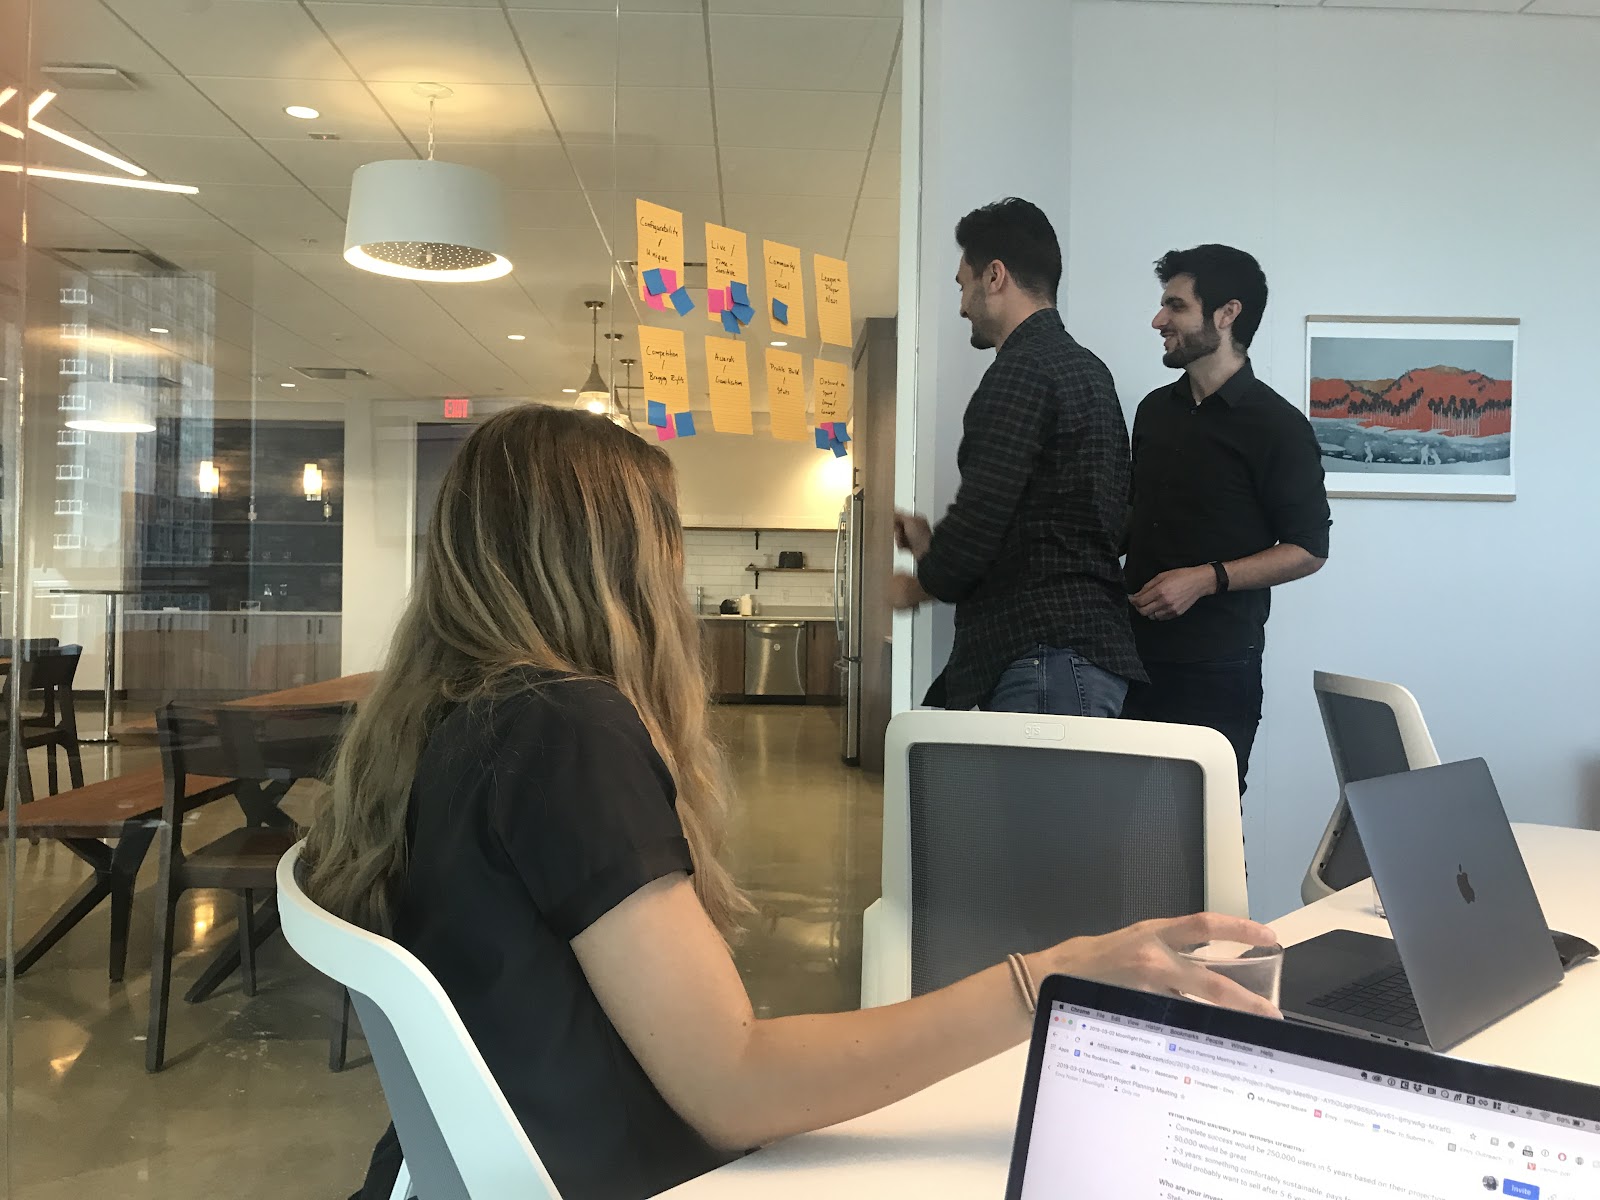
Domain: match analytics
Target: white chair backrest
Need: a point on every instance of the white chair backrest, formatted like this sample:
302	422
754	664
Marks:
1373	729
1012	831
460	1137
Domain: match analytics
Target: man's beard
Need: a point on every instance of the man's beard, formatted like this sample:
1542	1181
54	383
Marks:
1193	346
981	341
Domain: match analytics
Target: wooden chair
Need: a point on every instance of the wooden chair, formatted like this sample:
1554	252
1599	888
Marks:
265	751
48	677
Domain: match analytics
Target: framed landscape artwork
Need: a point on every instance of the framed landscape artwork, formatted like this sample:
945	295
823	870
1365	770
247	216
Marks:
1414	408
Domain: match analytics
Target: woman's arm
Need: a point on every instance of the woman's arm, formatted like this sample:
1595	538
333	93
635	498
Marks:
668	983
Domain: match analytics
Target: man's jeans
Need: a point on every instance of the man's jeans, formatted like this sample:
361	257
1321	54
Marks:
1050	680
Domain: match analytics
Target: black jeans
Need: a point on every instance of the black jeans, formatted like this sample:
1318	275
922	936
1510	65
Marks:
1225	696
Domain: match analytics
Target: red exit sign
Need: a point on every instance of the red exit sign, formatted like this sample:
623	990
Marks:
457	408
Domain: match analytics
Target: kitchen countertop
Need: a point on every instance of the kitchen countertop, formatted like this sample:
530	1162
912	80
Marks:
776	614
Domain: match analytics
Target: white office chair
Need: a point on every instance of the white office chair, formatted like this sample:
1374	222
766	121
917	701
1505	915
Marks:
1374	729
460	1137
1012	831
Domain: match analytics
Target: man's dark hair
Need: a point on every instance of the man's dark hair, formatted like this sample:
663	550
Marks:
1221	274
1019	235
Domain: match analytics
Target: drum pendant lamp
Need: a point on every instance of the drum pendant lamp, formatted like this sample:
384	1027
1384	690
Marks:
426	220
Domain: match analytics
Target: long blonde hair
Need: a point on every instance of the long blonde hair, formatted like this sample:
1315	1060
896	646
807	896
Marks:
555	544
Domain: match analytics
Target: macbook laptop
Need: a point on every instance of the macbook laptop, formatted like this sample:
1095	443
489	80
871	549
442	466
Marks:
1138	1095
1470	941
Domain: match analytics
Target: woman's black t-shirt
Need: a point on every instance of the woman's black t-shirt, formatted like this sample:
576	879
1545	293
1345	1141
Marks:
531	817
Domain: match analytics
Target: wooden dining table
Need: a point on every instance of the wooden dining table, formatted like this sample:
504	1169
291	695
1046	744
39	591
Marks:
346	689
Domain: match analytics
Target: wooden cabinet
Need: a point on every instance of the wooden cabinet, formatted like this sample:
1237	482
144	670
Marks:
722	644
212	655
823	679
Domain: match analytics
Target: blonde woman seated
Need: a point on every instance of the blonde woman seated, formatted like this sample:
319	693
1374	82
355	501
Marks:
531	802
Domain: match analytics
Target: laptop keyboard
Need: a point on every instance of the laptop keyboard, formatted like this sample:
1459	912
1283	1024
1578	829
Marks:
1384	996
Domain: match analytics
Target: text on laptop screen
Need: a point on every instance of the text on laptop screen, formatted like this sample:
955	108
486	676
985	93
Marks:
1132	1108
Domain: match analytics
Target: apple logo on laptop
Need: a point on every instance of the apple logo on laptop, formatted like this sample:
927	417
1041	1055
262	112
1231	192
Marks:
1464	884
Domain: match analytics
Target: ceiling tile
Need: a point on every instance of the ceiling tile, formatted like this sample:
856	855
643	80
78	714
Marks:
1565	8
475	112
519	167
433	43
607	6
812	8
109	203
78	31
876	217
882	180
581	48
796	120
816	223
1505	6
347	108
797	172
162	103
331	164
647	169
848	54
265	38
681	116
279	204
179	158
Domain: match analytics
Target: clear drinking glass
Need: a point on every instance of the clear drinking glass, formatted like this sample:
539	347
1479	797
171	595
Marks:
1257	969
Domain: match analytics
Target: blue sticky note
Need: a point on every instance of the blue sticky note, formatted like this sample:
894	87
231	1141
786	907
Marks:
730	322
681	302
685	423
823	440
840	433
653	283
838	450
744	313
780	312
740	294
656	413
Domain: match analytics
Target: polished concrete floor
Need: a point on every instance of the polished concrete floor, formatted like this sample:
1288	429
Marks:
247	1107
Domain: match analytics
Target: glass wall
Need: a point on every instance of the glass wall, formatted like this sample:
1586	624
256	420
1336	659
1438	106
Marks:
218	440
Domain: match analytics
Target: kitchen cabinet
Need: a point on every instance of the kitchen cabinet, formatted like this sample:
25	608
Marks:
823	679
215	655
722	643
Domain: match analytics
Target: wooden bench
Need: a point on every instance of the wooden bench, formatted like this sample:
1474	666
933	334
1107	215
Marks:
126	808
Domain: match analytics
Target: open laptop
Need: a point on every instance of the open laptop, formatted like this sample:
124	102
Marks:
1470	940
1138	1095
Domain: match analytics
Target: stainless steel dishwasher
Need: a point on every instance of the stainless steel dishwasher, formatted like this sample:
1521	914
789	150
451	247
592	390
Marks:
775	658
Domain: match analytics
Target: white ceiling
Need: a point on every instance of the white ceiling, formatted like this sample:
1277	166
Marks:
779	117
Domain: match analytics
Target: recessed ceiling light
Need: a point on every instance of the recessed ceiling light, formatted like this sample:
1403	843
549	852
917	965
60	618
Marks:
159	329
286	385
777	343
516	337
569	391
302	112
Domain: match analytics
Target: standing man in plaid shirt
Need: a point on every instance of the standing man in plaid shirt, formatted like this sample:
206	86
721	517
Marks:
1029	553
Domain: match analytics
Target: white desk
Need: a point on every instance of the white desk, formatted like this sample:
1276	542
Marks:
954	1139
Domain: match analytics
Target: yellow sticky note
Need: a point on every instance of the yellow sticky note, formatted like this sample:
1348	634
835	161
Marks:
666	367
833	391
729	370
786	287
833	300
660	247
786	396
727	261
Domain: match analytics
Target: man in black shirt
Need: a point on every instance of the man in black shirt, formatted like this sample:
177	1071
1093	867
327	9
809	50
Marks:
1028	552
1228	501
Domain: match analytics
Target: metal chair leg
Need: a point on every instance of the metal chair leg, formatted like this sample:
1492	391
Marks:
339	1035
247	940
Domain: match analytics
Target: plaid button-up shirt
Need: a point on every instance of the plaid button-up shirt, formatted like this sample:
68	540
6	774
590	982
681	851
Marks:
1028	553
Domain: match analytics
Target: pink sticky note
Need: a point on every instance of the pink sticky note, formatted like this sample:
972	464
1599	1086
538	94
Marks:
670	278
716	300
659	303
665	433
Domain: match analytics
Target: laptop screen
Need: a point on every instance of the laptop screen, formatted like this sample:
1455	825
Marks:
1131	1107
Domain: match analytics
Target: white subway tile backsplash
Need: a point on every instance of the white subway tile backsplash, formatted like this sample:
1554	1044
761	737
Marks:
717	561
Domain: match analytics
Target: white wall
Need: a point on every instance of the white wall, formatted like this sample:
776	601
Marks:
1377	163
757	481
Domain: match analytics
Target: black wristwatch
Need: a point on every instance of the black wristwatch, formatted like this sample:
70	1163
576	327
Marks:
1222	577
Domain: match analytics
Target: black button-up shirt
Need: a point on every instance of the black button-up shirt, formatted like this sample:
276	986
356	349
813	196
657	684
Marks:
1028	551
1229	477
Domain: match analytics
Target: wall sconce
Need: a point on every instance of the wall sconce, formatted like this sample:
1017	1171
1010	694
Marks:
210	479
312	479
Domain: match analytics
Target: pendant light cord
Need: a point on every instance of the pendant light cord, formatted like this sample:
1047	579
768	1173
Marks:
431	102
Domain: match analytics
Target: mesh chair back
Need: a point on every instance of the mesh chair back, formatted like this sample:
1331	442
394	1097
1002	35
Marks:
1014	848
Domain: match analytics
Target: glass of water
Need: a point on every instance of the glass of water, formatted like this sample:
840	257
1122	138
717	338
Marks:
1257	969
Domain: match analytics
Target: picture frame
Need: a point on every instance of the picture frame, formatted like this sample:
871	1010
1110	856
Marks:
1414	408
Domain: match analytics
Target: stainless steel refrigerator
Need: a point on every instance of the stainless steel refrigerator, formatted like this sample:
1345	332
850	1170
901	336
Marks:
847	621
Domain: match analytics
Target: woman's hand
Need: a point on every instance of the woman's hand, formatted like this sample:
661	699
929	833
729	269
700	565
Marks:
1145	956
